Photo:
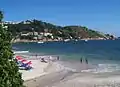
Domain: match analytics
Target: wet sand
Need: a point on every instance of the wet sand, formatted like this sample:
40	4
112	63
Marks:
64	79
60	77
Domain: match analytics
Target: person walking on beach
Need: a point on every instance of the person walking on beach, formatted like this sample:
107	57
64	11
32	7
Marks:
86	61
81	60
36	55
58	58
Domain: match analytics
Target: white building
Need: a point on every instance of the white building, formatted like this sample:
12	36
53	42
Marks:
46	34
35	38
35	33
24	34
40	37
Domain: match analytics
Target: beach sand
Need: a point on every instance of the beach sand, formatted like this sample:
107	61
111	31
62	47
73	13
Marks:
62	79
38	70
52	74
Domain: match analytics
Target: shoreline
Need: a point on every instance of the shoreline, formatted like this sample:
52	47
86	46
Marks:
54	75
86	39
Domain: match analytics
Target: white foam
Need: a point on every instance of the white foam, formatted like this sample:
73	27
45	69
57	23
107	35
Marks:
104	68
21	52
60	67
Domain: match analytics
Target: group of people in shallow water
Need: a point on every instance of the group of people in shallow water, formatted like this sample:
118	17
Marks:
43	60
50	59
81	60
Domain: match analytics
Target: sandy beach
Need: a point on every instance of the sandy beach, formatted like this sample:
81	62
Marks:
52	74
62	79
52	77
38	70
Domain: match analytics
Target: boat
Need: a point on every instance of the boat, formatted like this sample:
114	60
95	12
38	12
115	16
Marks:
86	40
76	40
40	42
67	40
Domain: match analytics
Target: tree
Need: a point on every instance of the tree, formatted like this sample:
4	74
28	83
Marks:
1	16
9	74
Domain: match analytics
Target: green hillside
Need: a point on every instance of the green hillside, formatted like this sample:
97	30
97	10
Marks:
66	32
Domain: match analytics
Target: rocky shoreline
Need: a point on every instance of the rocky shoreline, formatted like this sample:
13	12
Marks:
50	40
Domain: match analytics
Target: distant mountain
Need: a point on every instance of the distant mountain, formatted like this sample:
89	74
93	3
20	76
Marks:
66	32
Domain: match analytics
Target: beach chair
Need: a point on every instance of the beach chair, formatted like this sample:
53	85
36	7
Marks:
21	63
19	60
26	66
43	60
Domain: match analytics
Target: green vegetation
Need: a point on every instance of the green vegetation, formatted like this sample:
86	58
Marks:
9	75
66	32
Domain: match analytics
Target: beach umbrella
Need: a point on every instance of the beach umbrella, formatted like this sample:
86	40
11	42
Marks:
19	58
26	62
29	63
23	60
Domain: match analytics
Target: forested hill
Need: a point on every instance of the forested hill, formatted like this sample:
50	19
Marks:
66	32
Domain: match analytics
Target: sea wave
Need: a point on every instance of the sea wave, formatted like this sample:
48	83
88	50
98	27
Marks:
21	52
101	68
57	67
62	67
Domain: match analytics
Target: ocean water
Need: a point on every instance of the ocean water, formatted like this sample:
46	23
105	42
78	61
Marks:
102	55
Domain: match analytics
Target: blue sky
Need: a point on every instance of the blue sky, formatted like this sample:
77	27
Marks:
101	15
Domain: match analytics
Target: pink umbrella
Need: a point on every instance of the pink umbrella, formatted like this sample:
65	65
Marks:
23	60
19	58
27	62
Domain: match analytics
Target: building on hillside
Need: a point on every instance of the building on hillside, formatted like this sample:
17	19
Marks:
35	33
26	22
40	37
45	30
24	34
59	38
46	34
35	38
9	22
41	33
31	33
